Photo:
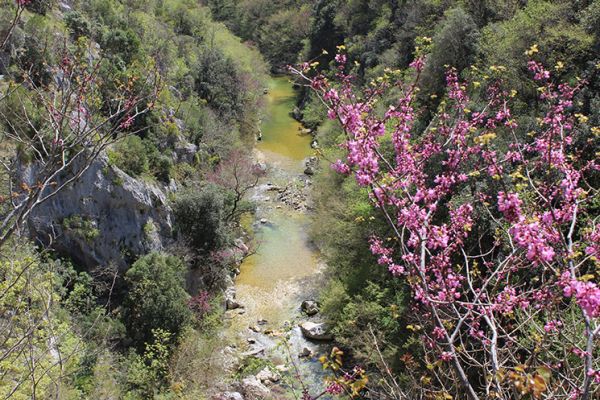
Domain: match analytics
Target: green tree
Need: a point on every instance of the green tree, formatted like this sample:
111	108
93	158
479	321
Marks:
199	217
217	82
156	298
453	45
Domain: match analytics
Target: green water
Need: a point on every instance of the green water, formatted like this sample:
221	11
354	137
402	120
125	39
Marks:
281	134
269	278
283	252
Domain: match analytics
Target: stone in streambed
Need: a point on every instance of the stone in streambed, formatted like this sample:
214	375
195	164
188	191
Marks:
313	331
229	396
310	307
306	352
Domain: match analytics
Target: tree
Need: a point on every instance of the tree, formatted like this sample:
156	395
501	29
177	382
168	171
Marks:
60	128
453	45
156	298
494	229
237	173
217	82
199	217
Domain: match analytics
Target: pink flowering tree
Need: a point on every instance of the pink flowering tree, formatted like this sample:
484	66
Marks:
495	231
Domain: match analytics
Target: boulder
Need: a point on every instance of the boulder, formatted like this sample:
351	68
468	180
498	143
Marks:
232	304
253	389
306	352
311	164
314	331
310	307
267	376
64	7
261	167
297	114
104	217
185	152
229	396
281	368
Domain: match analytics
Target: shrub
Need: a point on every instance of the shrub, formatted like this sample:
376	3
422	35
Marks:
77	24
156	298
130	156
199	217
82	227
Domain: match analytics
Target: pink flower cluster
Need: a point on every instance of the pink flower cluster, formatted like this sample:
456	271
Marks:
510	205
587	294
537	239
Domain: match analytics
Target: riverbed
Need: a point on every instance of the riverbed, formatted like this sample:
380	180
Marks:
285	270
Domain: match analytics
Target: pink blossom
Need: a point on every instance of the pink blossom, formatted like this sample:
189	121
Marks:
587	294
340	167
334	388
510	205
552	326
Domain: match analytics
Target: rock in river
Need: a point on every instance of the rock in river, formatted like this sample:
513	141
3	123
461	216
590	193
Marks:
310	307
311	330
306	352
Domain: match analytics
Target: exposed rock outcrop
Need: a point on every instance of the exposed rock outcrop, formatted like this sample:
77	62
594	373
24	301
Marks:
104	217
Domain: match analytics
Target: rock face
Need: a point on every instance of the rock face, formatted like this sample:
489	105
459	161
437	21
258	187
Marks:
104	217
253	389
185	152
311	330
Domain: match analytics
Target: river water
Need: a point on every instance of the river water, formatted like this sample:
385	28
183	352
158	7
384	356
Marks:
285	268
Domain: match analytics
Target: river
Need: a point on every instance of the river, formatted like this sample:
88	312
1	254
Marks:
285	268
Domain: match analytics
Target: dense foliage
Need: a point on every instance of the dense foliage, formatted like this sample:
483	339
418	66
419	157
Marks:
167	94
